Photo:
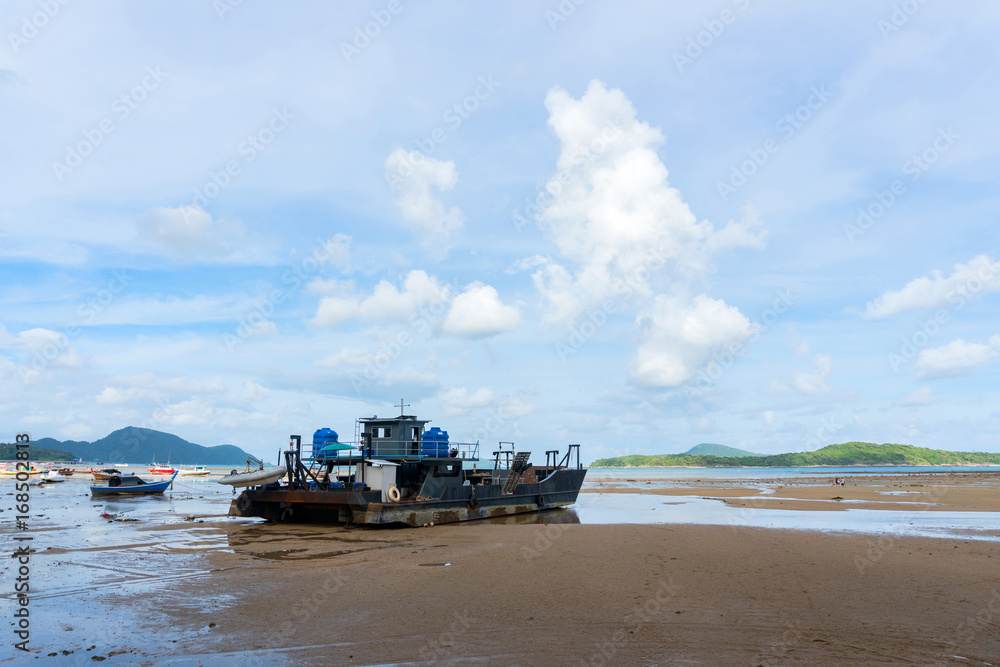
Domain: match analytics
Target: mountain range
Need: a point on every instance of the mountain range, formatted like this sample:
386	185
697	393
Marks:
141	445
844	454
712	449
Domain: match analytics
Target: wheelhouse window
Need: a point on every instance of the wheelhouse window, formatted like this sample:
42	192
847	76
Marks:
381	432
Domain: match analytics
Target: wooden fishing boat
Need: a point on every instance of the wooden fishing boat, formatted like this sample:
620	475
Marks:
32	470
104	473
130	485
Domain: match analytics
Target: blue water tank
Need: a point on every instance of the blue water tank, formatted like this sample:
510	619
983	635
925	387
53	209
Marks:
434	442
321	438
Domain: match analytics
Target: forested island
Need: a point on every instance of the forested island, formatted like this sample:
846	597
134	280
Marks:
844	454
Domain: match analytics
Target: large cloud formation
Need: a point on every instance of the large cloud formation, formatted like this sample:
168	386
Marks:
618	224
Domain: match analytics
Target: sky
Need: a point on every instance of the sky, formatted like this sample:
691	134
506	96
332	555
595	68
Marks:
635	226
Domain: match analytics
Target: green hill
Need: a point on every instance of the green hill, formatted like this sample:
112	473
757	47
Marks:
712	449
142	445
8	453
845	454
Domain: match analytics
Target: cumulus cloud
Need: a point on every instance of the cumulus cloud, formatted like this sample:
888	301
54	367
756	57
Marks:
814	382
254	392
385	303
190	233
349	356
612	214
478	312
966	282
922	396
458	401
677	337
956	357
416	179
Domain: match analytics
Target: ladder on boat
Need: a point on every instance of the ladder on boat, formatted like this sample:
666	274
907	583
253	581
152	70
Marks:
519	465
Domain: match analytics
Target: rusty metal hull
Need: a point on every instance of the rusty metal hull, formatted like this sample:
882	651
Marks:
366	508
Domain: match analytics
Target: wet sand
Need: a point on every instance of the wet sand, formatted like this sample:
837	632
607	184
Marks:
946	492
578	594
172	581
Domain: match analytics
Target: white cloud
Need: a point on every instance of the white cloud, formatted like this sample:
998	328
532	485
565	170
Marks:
678	337
349	356
337	251
254	392
815	381
459	401
956	357
415	177
478	312
966	282
189	232
119	395
389	303
776	388
768	416
612	213
386	303
922	396
333	310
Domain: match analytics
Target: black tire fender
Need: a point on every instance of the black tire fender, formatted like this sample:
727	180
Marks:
243	503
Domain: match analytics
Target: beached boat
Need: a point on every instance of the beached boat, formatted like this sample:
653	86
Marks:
130	485
66	472
160	469
259	477
104	473
399	472
195	471
51	477
13	470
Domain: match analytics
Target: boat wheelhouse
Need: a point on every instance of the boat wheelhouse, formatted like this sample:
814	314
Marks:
398	471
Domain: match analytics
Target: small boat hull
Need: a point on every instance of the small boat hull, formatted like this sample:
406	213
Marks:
131	485
367	508
254	477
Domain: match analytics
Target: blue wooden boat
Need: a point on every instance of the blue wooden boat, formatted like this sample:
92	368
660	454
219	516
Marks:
130	485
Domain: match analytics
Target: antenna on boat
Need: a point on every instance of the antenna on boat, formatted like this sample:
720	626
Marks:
401	406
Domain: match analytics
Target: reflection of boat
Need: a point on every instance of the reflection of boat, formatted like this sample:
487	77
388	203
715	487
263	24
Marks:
104	473
254	477
405	474
197	470
130	485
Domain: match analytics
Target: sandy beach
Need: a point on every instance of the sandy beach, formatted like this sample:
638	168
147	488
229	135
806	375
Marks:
575	594
161	583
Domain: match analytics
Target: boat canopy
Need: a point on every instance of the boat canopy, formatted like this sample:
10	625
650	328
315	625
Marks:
336	447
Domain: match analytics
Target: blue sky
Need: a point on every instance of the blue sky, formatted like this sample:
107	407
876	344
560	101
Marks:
635	226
